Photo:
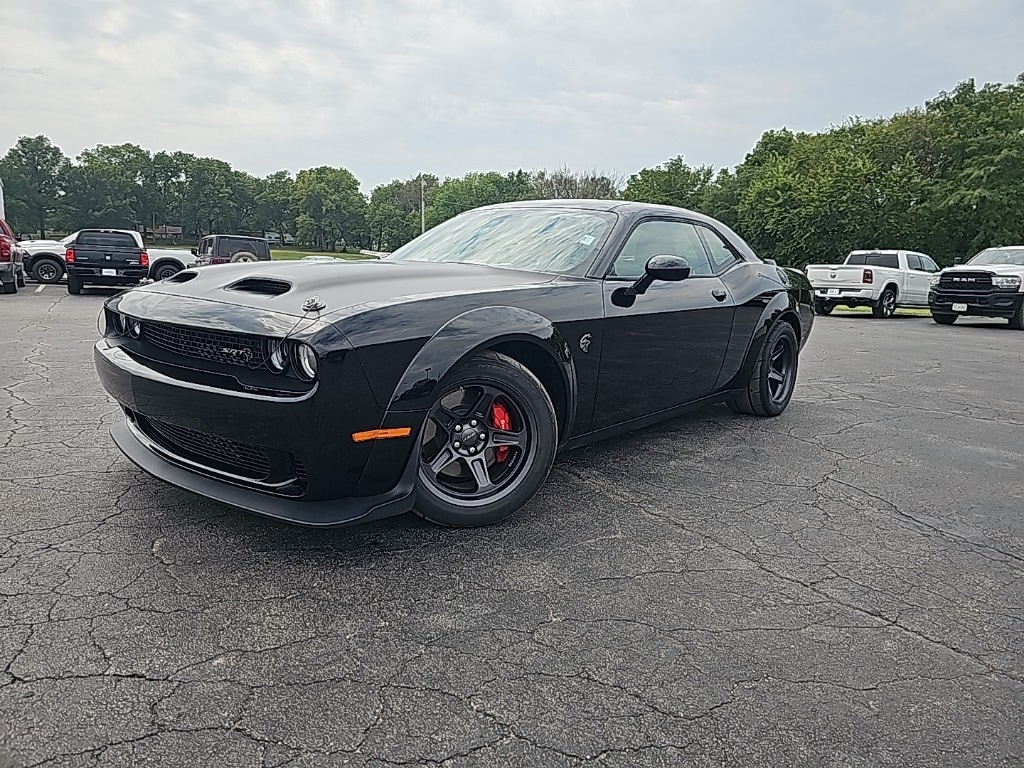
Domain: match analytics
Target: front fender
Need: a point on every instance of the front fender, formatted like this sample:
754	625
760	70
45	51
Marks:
470	332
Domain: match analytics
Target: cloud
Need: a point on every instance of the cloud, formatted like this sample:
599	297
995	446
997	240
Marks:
388	88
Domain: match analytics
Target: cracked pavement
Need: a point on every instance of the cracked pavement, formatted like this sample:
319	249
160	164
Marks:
840	586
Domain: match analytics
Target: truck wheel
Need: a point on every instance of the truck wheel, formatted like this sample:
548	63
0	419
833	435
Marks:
823	307
886	305
47	271
74	285
1017	321
943	318
242	257
163	271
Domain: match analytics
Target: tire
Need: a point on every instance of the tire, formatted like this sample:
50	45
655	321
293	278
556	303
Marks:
823	307
165	270
766	393
886	304
47	271
243	257
1017	321
74	284
942	318
11	287
465	481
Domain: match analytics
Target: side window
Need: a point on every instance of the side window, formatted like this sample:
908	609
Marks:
928	264
661	238
913	262
206	247
722	256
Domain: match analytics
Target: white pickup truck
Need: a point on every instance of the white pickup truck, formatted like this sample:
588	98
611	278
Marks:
882	280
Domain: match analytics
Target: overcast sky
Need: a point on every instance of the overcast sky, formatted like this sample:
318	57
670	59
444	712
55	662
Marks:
389	88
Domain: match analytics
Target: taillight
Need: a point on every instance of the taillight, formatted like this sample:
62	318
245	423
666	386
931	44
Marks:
144	259
869	277
69	256
6	252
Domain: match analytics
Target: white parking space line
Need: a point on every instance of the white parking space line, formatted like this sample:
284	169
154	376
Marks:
40	289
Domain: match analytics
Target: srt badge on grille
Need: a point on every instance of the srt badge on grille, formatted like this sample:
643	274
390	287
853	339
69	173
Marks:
245	355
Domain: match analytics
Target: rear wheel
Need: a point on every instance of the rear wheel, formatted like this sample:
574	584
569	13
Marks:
47	271
164	271
943	318
488	444
774	376
886	305
823	307
74	284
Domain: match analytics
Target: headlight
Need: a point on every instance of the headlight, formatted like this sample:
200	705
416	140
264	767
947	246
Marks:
120	324
306	362
134	327
277	357
933	280
1006	281
102	322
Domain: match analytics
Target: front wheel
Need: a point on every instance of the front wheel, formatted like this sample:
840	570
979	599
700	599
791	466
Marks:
886	305
943	318
1017	321
774	376
487	445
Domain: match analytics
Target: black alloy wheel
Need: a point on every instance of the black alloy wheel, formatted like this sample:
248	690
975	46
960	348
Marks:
47	271
487	445
774	376
886	306
1017	321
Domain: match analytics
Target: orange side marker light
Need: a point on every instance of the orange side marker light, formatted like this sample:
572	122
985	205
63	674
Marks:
381	434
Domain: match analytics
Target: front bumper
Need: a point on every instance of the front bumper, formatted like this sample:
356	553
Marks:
994	303
340	482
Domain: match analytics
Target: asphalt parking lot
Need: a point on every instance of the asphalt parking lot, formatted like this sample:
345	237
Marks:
841	586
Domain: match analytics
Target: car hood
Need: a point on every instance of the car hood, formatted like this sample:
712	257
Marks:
345	287
995	269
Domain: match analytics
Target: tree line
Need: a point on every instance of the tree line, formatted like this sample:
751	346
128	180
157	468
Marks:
946	178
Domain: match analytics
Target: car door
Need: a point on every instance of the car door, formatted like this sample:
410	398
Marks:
917	282
667	348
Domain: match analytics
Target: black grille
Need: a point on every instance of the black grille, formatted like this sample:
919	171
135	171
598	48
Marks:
218	346
249	461
967	281
261	285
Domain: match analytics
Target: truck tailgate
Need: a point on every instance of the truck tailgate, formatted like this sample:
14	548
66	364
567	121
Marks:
839	276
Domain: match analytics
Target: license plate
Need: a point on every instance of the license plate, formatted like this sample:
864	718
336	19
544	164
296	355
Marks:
959	307
833	291
109	272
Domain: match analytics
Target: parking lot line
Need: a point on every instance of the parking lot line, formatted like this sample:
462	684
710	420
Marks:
40	289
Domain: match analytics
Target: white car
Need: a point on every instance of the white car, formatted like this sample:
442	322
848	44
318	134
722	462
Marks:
882	280
44	259
989	285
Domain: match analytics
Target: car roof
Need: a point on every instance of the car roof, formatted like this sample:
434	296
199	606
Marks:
241	237
607	206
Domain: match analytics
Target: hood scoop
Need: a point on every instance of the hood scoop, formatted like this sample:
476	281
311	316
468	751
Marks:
182	277
267	286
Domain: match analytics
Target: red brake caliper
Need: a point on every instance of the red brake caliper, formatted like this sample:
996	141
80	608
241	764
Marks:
500	419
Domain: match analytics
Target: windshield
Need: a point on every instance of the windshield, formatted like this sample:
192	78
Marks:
531	239
991	256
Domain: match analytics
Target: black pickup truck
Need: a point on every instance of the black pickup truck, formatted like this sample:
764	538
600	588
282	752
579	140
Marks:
105	257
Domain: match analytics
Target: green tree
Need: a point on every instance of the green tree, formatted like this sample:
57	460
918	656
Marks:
673	183
330	208
275	203
393	216
565	183
34	172
455	196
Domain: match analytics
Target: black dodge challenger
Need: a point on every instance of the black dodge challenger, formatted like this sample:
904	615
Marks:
445	377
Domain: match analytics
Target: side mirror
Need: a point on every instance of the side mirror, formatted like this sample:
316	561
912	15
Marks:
195	251
668	268
957	260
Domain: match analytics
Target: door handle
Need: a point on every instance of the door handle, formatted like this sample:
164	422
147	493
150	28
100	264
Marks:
719	294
